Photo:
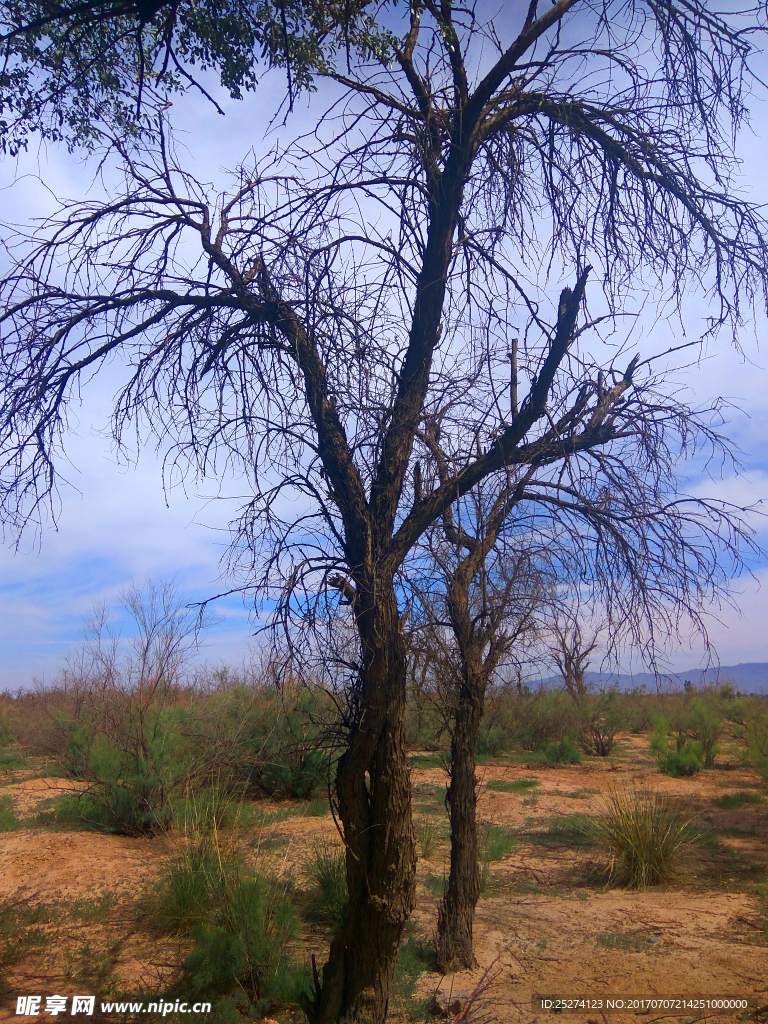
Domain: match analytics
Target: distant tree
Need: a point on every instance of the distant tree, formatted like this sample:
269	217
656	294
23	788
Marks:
305	327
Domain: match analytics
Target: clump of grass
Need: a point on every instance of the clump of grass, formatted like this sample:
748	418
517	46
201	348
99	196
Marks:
569	828
8	819
496	842
326	873
210	810
624	943
427	838
518	786
241	921
183	898
730	801
642	835
432	760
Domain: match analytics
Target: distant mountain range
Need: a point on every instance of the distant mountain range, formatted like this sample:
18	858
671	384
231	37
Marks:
751	677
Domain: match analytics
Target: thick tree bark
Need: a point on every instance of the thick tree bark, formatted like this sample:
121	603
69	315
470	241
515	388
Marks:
455	945
373	789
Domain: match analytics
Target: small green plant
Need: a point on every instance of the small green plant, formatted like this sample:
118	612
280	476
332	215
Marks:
209	810
518	786
20	933
496	842
8	819
427	836
730	801
564	752
326	873
242	924
431	760
493	741
624	943
436	884
642	835
414	958
182	900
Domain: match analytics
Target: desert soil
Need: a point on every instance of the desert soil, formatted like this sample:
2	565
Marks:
547	924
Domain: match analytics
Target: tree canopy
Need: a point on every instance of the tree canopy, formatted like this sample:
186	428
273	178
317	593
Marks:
72	70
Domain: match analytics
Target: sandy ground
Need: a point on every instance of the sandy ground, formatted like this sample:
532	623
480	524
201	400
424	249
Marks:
545	927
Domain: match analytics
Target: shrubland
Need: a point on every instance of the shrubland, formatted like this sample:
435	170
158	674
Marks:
207	756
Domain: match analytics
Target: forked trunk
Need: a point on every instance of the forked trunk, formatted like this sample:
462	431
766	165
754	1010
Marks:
374	794
455	947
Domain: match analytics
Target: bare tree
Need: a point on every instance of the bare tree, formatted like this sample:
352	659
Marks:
304	328
473	609
571	651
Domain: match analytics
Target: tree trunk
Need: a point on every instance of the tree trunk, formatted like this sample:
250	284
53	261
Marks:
374	793
455	948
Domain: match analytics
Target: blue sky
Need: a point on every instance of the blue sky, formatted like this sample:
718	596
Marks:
116	525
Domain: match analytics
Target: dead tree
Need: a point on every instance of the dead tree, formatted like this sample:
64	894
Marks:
301	328
476	604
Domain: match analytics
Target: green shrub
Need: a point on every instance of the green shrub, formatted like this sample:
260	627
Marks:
678	756
492	741
637	711
11	759
326	873
564	752
756	739
246	947
642	837
436	885
704	725
183	896
242	924
543	718
692	725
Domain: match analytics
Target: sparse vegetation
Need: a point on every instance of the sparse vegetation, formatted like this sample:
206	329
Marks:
207	902
327	882
8	819
518	786
731	801
495	842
